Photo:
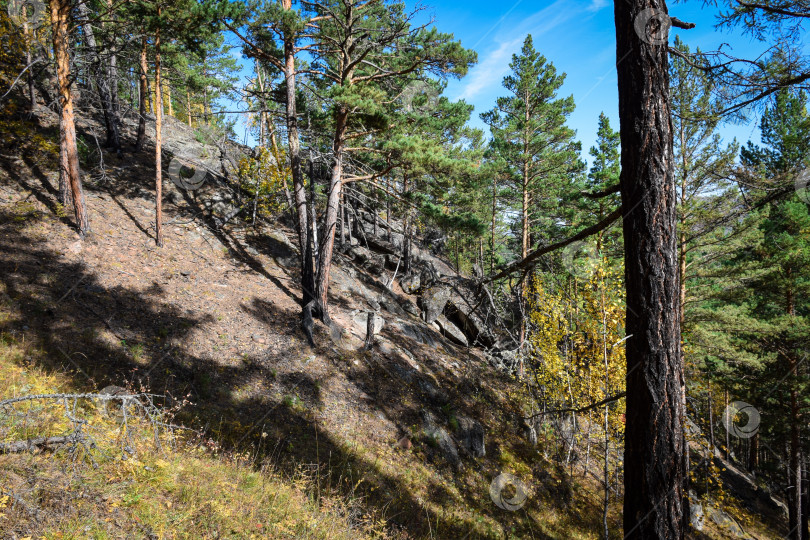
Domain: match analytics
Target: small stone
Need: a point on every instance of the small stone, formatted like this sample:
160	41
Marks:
405	443
258	339
75	247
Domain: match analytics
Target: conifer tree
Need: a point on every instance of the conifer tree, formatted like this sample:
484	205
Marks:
70	183
358	47
529	132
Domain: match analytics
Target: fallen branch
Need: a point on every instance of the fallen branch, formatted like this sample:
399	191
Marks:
39	443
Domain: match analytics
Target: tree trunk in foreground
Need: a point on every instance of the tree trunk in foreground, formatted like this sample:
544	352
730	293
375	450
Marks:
158	144
654	456
70	183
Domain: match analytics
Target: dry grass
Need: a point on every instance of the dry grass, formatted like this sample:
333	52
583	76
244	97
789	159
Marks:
128	485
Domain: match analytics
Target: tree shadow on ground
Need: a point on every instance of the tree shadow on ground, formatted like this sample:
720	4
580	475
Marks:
100	335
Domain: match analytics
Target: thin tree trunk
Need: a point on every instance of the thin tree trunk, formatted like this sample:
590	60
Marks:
805	522
188	108
158	144
70	183
524	244
343	221
655	503
302	225
112	74
169	107
143	95
262	112
313	222
330	221
492	230
406	229
99	74
32	99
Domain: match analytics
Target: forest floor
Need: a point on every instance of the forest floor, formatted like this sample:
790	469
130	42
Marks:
210	321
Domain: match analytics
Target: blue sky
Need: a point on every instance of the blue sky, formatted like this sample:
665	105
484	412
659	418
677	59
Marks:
578	36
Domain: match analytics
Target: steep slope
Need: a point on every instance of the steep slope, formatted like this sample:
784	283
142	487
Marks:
414	430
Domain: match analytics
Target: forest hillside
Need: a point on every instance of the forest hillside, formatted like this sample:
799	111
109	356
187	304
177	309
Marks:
264	274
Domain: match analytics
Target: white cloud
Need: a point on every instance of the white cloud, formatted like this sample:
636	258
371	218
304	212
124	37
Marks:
491	69
596	5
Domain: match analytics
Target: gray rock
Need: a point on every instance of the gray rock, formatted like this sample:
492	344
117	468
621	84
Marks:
451	331
410	307
437	436
416	333
471	436
433	301
432	394
696	516
360	320
726	522
392	306
411	283
428	276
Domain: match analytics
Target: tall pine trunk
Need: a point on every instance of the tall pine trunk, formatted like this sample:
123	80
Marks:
494	221
294	149
158	143
794	466
143	80
32	99
654	456
70	183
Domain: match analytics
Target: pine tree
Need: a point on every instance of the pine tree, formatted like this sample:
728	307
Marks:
529	132
358	48
70	183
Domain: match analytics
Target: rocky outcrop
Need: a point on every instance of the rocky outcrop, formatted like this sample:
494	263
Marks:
433	301
451	331
410	283
366	259
438	437
471	436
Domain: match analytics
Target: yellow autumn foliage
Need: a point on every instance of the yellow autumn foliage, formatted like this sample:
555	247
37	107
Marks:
265	177
576	345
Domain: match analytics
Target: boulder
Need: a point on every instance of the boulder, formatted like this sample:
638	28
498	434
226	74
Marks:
433	301
410	307
392	306
415	332
381	246
726	522
451	331
360	320
428	275
438	437
366	259
471	436
696	516
410	283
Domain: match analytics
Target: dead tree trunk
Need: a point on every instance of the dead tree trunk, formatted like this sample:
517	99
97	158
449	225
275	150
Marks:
655	460
70	183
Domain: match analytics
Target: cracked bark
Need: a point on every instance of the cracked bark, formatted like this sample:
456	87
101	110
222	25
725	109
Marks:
655	461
